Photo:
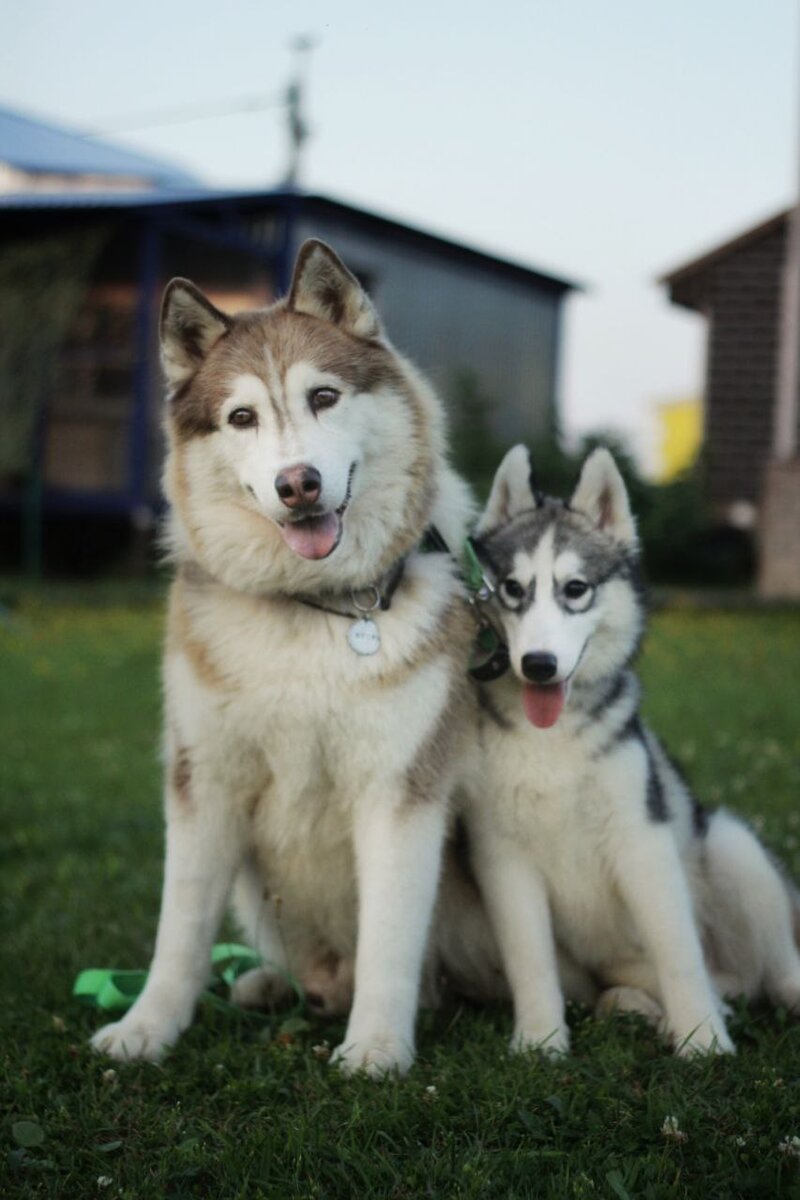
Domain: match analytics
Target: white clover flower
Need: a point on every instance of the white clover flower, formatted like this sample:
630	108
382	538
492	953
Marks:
672	1131
790	1147
104	1181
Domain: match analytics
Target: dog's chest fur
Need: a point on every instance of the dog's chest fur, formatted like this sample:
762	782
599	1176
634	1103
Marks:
294	722
549	799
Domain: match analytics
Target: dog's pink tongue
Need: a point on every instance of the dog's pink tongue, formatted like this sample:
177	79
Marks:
316	537
543	703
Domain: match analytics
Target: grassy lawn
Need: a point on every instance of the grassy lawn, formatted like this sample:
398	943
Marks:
239	1110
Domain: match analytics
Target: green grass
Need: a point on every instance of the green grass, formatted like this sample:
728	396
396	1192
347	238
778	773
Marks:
237	1110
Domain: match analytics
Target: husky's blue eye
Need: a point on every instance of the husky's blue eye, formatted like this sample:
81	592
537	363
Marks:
575	588
243	418
323	397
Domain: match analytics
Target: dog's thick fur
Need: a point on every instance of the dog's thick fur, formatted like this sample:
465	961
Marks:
591	841
302	779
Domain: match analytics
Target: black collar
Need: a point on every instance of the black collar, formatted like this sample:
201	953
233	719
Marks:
490	648
379	595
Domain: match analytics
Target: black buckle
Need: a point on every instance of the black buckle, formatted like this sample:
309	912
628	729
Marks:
498	660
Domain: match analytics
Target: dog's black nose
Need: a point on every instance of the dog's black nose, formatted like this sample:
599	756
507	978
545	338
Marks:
298	486
539	667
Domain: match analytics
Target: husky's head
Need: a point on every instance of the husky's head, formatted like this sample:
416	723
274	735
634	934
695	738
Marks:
303	450
565	575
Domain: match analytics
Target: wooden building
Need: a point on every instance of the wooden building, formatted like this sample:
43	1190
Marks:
738	287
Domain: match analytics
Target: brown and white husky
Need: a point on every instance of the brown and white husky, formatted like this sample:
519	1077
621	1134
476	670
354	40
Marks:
314	671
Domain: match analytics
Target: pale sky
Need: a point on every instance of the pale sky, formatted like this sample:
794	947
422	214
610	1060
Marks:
604	140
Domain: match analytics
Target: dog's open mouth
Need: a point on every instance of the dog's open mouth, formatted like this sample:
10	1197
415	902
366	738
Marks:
317	536
543	702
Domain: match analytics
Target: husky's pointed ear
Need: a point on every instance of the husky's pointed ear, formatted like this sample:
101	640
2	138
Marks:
601	494
513	490
190	325
323	287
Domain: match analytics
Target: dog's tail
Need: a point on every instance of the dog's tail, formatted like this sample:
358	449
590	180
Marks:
753	911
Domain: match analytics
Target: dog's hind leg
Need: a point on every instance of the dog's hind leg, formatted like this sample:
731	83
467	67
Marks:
750	915
322	976
652	881
631	1000
254	908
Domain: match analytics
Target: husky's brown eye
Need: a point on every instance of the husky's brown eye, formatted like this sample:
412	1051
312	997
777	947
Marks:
575	588
512	590
323	397
243	418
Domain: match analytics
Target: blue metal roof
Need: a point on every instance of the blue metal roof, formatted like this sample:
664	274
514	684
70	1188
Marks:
39	146
122	199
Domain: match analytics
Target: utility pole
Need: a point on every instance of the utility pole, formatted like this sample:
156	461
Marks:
297	126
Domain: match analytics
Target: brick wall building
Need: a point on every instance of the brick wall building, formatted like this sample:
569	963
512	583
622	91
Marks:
738	287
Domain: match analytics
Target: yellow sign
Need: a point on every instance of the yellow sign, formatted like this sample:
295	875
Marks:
680	435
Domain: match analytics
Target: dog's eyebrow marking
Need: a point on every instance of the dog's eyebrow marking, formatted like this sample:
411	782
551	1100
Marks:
536	563
523	568
568	564
248	389
273	388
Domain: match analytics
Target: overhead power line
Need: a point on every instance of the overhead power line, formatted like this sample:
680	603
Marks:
190	112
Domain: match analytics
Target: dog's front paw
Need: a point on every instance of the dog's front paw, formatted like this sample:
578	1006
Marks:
552	1043
376	1056
136	1038
710	1037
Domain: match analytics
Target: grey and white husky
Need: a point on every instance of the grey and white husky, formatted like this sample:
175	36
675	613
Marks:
585	839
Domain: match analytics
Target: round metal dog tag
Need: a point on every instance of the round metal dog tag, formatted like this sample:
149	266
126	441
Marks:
364	636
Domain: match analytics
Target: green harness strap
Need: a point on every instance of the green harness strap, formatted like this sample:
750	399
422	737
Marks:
474	577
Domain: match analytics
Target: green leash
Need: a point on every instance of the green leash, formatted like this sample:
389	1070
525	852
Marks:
490	653
116	991
474	576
